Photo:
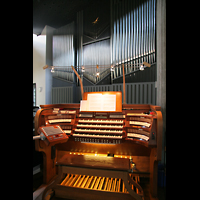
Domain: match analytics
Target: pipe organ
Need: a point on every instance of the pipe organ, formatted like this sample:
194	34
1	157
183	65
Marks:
104	154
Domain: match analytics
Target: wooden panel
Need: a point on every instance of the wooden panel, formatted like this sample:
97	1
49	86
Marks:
83	194
128	148
141	162
71	106
95	162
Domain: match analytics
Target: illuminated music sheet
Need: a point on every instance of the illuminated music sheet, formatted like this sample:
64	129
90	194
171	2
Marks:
109	103
98	102
83	105
94	102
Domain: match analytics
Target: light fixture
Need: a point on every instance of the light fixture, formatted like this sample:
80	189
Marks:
83	69
141	67
97	74
112	68
52	70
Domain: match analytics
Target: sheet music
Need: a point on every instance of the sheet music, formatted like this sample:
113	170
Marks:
83	105
94	102
98	102
109	102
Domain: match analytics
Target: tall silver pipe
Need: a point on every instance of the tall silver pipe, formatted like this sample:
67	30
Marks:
133	35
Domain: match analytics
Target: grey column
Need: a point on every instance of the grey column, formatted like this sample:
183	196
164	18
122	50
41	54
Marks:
161	61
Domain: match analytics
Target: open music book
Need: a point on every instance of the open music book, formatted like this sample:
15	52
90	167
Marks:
99	102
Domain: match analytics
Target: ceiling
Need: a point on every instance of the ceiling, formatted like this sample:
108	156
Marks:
57	13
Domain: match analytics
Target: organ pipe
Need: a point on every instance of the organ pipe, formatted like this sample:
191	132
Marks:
132	34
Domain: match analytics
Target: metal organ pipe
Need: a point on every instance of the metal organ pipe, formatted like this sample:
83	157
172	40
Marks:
132	34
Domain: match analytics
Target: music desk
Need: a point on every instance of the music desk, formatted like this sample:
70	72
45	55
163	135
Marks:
100	166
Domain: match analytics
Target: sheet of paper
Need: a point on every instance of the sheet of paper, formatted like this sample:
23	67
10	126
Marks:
109	103
99	102
83	105
94	102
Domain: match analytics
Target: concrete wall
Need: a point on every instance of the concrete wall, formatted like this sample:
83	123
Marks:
48	32
42	55
39	60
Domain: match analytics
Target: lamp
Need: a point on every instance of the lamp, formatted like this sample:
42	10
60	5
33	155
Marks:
83	69
97	74
141	67
52	70
144	64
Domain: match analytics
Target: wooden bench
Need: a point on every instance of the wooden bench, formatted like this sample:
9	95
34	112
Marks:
95	166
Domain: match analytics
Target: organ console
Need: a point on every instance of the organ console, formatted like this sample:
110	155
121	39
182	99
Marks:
100	154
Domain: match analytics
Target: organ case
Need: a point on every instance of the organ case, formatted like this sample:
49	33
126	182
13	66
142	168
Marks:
133	134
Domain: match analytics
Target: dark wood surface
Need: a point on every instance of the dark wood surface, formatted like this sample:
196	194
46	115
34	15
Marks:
98	162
